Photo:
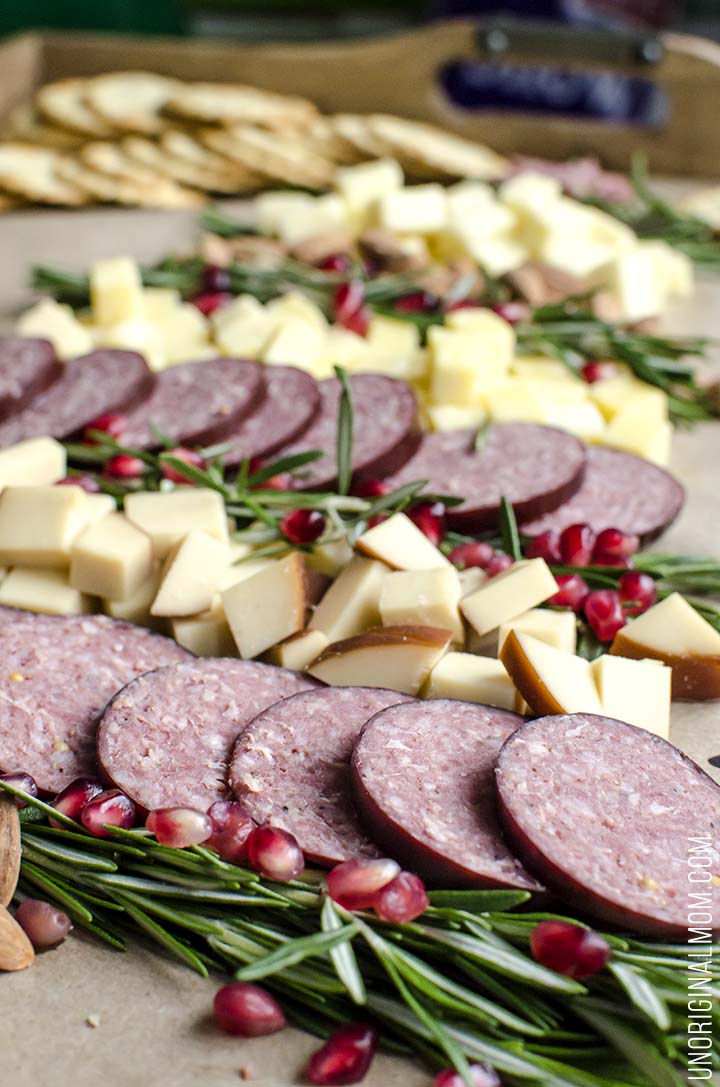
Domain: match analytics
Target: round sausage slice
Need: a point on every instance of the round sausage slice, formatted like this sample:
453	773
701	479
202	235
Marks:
291	767
89	386
619	490
292	399
27	366
422	776
385	431
195	403
166	738
534	467
56	675
610	816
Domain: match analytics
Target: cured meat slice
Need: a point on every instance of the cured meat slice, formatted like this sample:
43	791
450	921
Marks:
610	816
56	675
385	432
27	366
166	738
422	776
619	490
534	467
292	399
195	403
88	386
291	767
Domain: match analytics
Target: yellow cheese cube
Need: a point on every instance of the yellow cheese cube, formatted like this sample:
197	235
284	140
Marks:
616	394
57	323
32	462
191	575
111	558
471	679
242	328
45	591
136	608
455	417
636	691
272	209
159	303
168	516
352	603
400	544
418	209
505	596
423	598
294	343
183	331
497	254
393	341
639	431
116	292
320	216
516	400
582	418
341	347
529	192
362	185
299	650
498	335
135	334
674	269
540	367
329	557
556	628
635	283
295	306
207	634
268	607
38	525
462	368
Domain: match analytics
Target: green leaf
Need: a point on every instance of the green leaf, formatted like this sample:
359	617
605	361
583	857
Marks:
343	956
630	1043
642	993
165	938
509	530
296	951
479	901
344	451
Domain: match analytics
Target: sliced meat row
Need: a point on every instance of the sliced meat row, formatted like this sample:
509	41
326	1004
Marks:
292	400
27	367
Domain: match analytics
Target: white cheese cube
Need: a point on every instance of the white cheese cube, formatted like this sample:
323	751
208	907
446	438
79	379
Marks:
183	331
299	650
505	596
32	462
352	603
671	628
556	628
516	400
136	608
461	372
497	254
635	284
344	348
116	292
242	328
400	544
168	516
295	306
329	557
498	334
419	209
393	343
111	558
319	216
584	419
45	591
272	209
207	634
191	575
528	192
235	572
455	416
268	607
160	303
38	525
363	184
134	334
423	598
294	343
471	679
636	691
56	322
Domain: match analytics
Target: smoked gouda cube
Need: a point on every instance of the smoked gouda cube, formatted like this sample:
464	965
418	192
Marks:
399	658
45	591
168	516
423	598
400	544
471	679
116	292
550	680
556	628
352	603
505	596
111	558
299	650
39	524
191	575
636	691
32	463
207	634
268	607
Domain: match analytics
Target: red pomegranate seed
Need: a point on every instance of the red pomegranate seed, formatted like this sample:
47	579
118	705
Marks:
345	1058
354	884
21	780
576	545
302	526
211	301
359	322
337	262
402	900
179	827
110	808
569	949
603	611
638	592
594	371
275	853
481	1075
231	824
512	312
112	424
612	541
498	564
545	546
281	482
601	558
73	799
187	456
430	519
44	925
216	279
371	488
417	302
474	553
461	303
571	593
247	1010
85	482
377	519
349	298
123	466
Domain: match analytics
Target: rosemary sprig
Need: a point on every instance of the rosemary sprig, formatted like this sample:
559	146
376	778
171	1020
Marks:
455	986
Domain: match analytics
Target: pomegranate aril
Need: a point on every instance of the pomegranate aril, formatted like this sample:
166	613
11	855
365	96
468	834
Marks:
280	482
402	900
371	488
545	546
231	827
85	482
111	808
430	519
211	301
603	611
613	541
572	591
44	925
349	298
569	949
247	1010
337	262
345	1058
358	322
601	558
474	553
112	424
417	302
354	884
73	799
179	827
216	278
498	564
481	1075
377	519
461	303
638	592
124	466
512	312
187	456
595	371
275	853
20	780
576	545
302	526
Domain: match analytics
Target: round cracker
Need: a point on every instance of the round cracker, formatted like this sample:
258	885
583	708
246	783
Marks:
448	154
271	155
25	125
131	101
148	154
181	145
227	103
118	190
34	173
63	103
354	129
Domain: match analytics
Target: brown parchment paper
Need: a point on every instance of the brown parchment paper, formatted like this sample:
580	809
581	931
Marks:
153	1026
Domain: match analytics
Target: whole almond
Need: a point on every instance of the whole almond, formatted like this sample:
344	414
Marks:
16	951
9	848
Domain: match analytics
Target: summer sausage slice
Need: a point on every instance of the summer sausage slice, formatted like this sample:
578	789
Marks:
89	386
27	366
292	399
619	490
386	430
195	403
608	815
534	467
166	738
291	767
422	776
56	675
